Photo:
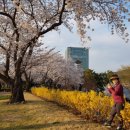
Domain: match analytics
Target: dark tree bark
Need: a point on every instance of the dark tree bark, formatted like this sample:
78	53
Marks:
17	95
28	81
16	88
0	86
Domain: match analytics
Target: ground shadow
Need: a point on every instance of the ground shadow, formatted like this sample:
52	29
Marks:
48	125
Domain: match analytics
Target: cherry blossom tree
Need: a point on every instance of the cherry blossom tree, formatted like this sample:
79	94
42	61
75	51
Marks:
39	64
65	72
36	64
23	22
60	71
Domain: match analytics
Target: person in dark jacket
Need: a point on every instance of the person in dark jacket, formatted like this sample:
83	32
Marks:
116	90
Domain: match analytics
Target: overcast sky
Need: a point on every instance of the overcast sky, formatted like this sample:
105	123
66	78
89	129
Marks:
106	51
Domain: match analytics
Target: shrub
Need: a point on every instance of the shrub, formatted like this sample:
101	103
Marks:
94	106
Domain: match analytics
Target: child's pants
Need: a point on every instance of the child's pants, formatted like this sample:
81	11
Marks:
116	110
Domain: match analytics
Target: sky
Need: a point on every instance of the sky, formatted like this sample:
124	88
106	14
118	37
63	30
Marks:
106	51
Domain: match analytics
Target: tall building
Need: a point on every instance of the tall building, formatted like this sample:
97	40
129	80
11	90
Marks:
79	55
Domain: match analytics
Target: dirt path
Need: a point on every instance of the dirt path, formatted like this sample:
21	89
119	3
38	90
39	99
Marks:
38	114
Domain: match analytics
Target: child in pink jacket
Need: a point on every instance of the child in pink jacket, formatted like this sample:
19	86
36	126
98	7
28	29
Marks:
116	90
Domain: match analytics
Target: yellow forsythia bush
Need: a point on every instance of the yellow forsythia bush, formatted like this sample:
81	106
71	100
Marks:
92	105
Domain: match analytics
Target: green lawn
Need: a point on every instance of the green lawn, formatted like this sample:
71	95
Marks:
4	96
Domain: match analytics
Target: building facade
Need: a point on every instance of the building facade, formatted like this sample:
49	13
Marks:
79	55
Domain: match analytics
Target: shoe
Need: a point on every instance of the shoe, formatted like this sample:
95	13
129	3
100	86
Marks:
107	124
119	128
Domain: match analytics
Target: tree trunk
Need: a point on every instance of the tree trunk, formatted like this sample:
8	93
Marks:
28	81
17	95
0	86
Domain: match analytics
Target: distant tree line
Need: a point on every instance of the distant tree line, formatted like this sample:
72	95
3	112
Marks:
96	81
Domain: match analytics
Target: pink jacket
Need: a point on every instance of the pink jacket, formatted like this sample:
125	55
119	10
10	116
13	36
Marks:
117	93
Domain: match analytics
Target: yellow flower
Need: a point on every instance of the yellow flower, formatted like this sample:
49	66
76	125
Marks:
93	105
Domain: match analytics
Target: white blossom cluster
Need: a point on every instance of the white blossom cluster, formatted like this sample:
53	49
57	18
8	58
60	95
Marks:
52	65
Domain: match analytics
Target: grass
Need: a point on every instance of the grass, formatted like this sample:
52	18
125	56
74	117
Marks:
38	114
4	95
